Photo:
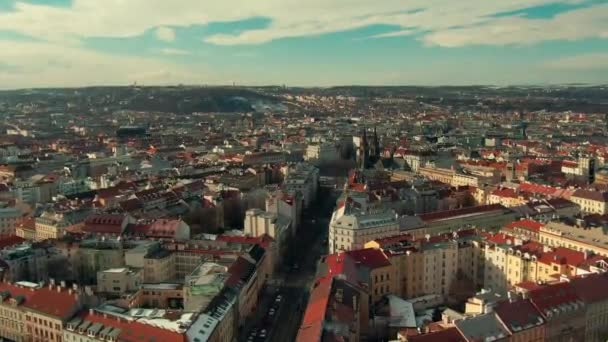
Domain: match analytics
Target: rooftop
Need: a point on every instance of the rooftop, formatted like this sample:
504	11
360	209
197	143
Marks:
471	211
591	236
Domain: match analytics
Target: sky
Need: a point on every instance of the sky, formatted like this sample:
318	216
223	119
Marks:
49	43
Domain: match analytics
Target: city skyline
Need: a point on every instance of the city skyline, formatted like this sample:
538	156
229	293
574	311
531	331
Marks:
53	43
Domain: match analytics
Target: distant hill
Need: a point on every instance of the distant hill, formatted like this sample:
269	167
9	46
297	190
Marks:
183	100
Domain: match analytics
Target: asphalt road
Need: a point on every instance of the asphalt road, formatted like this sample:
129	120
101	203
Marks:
294	284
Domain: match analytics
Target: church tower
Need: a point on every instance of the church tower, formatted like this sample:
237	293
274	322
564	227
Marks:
363	151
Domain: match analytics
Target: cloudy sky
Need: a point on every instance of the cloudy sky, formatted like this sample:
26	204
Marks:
302	42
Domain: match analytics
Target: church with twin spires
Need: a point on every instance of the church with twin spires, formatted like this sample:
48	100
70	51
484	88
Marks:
368	153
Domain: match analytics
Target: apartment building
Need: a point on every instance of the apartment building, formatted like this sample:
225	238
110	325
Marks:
350	228
590	201
10	218
94	326
31	312
584	239
430	266
159	266
337	308
117	281
303	178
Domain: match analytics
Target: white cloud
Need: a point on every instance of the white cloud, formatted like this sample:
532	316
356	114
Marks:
400	33
291	18
165	34
34	64
175	52
583	62
516	30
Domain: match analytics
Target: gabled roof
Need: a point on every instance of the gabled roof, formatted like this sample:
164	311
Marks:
448	335
563	256
552	299
239	271
518	315
370	257
591	195
56	302
591	288
311	328
134	331
15	291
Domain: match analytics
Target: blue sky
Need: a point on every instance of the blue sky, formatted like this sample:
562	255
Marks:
295	42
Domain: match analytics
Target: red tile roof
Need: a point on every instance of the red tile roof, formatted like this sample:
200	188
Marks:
537	189
518	315
370	257
10	240
134	331
527	224
553	296
591	195
591	288
563	256
104	224
238	271
498	238
505	192
311	328
527	286
15	290
48	301
447	335
446	214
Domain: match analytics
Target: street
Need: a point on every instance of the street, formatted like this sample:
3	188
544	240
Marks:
294	278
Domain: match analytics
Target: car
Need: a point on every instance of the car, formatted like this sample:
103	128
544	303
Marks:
278	298
263	333
250	338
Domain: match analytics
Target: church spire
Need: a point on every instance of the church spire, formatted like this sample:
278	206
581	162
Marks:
376	152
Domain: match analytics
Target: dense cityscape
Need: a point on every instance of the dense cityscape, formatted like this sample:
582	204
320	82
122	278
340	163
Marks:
304	214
